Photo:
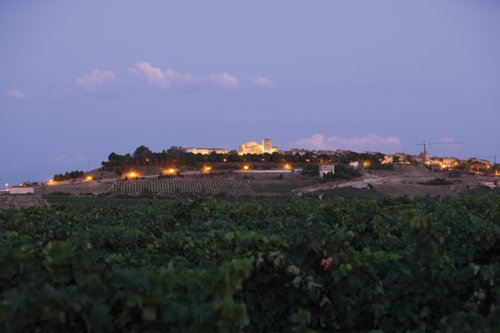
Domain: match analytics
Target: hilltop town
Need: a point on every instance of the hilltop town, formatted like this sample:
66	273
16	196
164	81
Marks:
263	169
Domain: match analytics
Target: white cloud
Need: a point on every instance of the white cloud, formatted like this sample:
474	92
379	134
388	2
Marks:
225	80
16	94
168	78
157	77
96	81
260	81
370	142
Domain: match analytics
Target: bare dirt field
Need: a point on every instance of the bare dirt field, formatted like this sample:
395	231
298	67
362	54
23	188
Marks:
406	180
78	188
22	201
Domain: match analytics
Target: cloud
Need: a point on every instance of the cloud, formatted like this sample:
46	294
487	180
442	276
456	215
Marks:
168	78
370	142
96	81
157	77
225	80
260	81
16	94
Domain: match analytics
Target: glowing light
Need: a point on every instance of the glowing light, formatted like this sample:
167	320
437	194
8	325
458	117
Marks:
169	171
51	182
246	167
497	173
132	175
366	164
225	160
89	178
287	166
207	168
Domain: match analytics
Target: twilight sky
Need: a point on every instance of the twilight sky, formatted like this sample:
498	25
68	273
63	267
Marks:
81	79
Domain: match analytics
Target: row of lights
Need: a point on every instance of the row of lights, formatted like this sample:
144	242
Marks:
207	169
172	171
86	179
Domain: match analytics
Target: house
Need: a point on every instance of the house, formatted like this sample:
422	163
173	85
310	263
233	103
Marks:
354	164
449	162
21	190
404	158
388	159
326	168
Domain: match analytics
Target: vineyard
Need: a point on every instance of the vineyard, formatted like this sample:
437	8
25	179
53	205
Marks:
211	185
261	265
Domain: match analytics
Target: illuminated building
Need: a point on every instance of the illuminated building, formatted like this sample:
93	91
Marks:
253	147
205	151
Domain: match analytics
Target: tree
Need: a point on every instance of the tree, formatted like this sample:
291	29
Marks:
142	152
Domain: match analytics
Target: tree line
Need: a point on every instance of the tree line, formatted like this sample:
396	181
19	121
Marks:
176	156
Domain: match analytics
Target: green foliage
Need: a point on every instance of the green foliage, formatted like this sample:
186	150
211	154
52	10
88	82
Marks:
111	264
68	175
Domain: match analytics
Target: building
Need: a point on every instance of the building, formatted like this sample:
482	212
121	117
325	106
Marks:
326	168
354	164
480	161
443	163
205	151
403	158
450	162
253	147
388	159
21	190
267	144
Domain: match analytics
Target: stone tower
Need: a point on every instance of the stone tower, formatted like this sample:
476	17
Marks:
267	144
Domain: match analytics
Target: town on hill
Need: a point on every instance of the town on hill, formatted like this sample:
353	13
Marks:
262	169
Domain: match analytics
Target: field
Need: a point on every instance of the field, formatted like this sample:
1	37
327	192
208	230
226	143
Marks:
275	265
212	185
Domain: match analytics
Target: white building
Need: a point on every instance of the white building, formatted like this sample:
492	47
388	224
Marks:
21	190
326	168
205	151
253	147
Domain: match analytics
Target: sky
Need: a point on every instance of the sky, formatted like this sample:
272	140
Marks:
82	79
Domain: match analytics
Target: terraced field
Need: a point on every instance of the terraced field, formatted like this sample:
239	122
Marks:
211	185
